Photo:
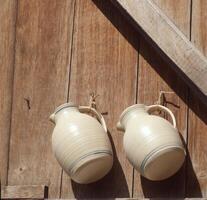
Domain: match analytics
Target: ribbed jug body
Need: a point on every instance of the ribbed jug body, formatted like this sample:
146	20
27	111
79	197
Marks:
81	146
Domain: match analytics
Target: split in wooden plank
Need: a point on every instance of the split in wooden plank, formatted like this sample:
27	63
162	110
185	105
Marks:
190	63
7	50
24	192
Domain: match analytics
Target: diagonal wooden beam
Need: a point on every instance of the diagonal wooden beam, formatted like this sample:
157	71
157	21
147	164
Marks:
156	26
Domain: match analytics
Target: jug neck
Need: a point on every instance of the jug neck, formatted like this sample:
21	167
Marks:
63	111
132	112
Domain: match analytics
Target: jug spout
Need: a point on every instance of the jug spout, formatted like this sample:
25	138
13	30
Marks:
120	127
130	113
69	105
52	118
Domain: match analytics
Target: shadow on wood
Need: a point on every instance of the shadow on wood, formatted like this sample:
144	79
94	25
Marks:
186	174
194	191
160	189
113	185
170	48
119	22
170	187
151	188
166	69
176	80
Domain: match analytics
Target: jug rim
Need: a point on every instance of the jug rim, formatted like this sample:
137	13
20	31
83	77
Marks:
63	106
130	108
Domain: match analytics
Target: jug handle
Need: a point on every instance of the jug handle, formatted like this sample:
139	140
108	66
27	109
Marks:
153	108
87	109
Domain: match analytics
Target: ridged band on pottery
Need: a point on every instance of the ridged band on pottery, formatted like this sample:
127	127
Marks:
137	159
85	158
154	151
139	141
79	146
80	142
100	164
150	140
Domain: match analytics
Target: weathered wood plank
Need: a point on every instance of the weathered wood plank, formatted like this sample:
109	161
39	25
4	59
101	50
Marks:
191	65
7	40
178	12
197	167
103	62
43	45
155	75
24	192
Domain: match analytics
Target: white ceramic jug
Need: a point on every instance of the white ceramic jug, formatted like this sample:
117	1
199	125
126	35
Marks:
152	144
80	143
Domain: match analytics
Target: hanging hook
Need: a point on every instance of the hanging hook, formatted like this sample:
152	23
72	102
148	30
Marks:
161	99
92	101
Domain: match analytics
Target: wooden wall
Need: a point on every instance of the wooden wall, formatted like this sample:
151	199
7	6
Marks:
62	50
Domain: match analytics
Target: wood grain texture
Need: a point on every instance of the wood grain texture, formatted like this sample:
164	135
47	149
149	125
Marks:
43	44
7	41
23	192
189	63
155	75
103	62
178	12
198	113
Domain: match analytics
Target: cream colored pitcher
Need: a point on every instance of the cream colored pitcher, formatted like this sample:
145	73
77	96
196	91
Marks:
152	144
80	143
